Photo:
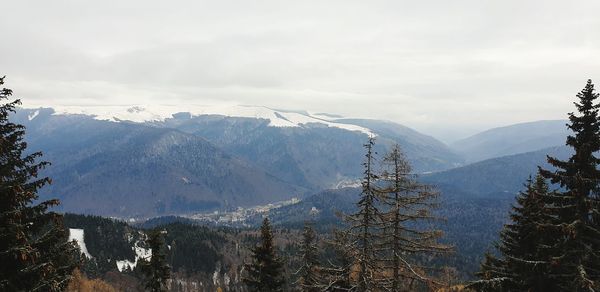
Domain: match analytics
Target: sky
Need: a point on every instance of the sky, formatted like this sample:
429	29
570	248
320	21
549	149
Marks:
446	68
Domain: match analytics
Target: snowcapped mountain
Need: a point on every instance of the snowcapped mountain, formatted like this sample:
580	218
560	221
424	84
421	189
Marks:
135	161
160	113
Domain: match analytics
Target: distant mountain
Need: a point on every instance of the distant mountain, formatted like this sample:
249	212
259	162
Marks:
494	179
497	175
319	152
513	139
130	162
135	170
314	155
474	201
425	152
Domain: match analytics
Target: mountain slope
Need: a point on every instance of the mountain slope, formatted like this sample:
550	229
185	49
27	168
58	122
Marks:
126	169
474	201
313	155
513	139
138	162
497	175
425	152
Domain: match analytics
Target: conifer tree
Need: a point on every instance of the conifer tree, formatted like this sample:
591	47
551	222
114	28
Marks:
365	227
524	261
34	252
264	272
409	203
337	275
575	254
156	271
309	272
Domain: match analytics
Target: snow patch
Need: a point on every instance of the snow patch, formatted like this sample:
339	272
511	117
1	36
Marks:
216	276
158	113
140	253
32	116
314	211
348	183
124	264
226	280
77	235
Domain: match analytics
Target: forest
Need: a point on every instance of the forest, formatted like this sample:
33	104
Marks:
387	239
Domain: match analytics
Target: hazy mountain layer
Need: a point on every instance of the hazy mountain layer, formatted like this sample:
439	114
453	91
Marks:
513	139
505	174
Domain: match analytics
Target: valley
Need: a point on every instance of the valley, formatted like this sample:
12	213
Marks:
231	169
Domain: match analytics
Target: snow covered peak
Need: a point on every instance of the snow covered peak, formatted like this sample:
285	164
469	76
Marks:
157	113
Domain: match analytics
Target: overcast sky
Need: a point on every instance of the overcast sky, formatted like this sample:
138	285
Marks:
447	68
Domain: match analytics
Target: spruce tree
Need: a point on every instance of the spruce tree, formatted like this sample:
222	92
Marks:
524	261
405	238
156	271
575	254
309	272
264	272
365	227
34	252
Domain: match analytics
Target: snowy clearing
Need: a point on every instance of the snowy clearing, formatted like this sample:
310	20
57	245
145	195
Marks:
77	235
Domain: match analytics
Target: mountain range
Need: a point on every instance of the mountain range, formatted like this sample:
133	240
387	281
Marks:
142	163
137	162
513	139
474	203
147	165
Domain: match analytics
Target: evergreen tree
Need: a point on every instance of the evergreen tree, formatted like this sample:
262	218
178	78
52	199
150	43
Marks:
409	203
524	261
492	275
309	272
156	271
34	252
264	272
575	254
337	276
365	227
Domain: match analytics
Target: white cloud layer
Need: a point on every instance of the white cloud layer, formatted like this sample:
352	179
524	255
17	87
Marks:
445	67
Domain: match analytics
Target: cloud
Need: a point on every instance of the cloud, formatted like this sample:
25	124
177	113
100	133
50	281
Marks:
446	67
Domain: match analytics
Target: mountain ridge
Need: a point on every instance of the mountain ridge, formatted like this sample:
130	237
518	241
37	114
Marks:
512	139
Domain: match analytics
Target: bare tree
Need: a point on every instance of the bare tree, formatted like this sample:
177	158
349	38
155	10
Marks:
409	205
365	228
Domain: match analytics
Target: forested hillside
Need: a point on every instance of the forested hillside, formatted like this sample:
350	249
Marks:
132	170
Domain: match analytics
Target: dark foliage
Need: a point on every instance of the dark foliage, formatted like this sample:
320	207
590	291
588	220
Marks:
106	239
524	262
193	248
34	252
264	272
575	253
156	270
309	271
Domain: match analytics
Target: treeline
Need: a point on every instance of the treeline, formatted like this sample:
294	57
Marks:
108	240
553	242
36	255
382	246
